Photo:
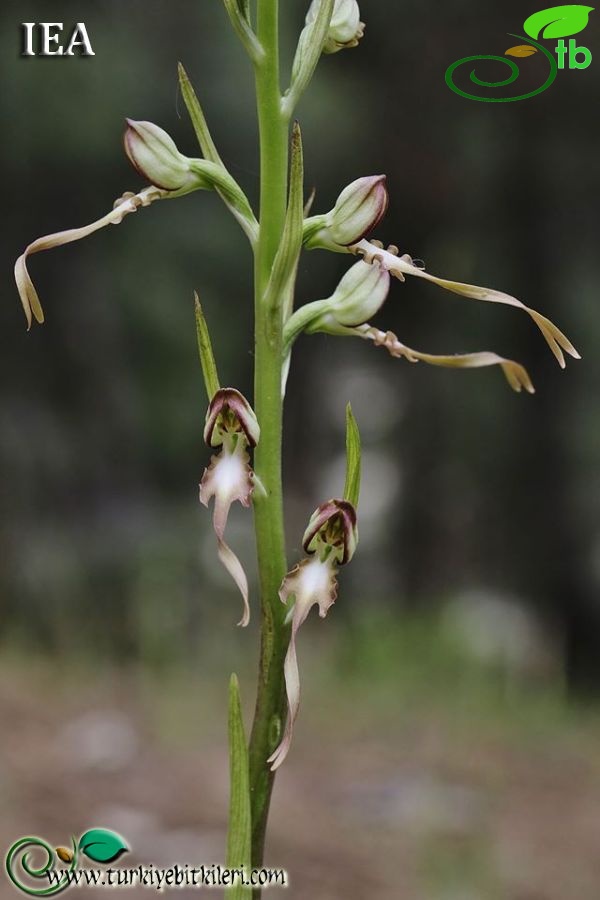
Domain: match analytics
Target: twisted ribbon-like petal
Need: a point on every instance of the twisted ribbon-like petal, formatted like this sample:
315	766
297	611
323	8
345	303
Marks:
126	204
311	582
404	265
516	374
229	478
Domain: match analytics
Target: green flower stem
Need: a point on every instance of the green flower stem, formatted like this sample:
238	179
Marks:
299	321
268	509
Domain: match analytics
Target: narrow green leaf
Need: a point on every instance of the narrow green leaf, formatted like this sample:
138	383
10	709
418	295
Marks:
207	145
352	487
288	253
101	845
240	830
308	53
207	359
225	185
558	21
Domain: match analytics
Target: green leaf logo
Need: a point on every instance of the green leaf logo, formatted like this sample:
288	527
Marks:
558	21
101	845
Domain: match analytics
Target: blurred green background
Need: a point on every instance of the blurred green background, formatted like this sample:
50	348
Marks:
448	742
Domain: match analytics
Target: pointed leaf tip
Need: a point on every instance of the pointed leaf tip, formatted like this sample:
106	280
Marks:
207	359
353	459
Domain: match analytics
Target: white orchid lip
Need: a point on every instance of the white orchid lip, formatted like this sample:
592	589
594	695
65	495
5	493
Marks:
229	478
229	413
312	582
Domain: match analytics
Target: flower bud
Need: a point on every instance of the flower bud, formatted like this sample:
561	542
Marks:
357	211
359	295
230	413
345	29
156	158
332	531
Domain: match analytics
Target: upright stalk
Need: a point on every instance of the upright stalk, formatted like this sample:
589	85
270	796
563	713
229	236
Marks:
268	509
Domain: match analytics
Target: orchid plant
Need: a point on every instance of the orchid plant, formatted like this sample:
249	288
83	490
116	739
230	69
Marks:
236	430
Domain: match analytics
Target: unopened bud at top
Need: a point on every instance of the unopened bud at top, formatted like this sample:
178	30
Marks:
155	156
345	29
357	211
332	531
229	413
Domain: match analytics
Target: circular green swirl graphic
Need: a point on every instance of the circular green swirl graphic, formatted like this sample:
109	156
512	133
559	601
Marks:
24	847
514	74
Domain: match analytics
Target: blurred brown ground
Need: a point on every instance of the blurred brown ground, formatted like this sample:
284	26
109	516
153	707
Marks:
422	803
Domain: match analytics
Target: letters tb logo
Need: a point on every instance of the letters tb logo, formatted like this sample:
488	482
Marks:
573	52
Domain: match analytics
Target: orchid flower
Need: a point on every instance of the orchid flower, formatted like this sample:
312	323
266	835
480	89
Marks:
232	426
330	540
155	156
363	290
